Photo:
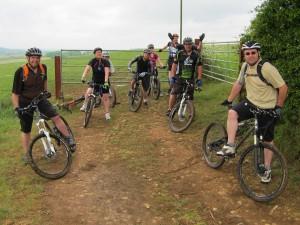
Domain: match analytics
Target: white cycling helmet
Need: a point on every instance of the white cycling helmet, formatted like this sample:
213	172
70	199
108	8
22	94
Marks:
251	45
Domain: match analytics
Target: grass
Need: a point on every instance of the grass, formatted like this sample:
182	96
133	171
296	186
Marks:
20	188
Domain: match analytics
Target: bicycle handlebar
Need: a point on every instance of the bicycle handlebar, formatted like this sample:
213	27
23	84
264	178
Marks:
34	102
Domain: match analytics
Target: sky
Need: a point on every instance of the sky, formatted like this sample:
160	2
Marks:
118	24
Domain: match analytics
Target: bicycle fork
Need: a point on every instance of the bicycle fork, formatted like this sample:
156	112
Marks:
182	108
48	146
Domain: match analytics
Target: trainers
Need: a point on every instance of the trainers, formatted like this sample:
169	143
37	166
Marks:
266	178
145	102
107	116
227	150
83	108
25	159
70	141
168	112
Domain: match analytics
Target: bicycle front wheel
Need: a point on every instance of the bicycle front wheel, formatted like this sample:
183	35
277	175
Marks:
181	116
135	100
251	169
155	89
88	111
49	158
214	138
112	97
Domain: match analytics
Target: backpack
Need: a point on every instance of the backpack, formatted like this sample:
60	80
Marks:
259	73
25	71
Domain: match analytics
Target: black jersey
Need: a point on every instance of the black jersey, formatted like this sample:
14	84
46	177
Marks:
98	66
142	64
186	64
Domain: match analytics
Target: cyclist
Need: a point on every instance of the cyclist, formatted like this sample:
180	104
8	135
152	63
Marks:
111	66
29	81
143	68
154	59
173	48
186	62
265	90
101	69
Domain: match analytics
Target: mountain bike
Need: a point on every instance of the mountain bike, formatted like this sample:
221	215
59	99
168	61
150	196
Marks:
250	166
154	89
135	98
183	112
93	99
49	154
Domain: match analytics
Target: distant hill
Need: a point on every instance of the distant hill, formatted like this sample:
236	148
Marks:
11	52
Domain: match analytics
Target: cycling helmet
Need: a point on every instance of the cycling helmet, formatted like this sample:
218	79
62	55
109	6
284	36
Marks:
187	40
251	45
97	49
147	51
105	54
33	52
150	46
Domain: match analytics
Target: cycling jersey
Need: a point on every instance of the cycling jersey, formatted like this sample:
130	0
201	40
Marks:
186	64
32	86
142	64
98	66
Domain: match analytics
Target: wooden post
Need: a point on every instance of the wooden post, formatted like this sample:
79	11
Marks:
58	93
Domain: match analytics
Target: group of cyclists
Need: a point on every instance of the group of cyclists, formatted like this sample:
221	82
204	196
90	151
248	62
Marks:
264	86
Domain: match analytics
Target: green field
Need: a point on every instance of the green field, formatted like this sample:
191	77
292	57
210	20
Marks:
20	191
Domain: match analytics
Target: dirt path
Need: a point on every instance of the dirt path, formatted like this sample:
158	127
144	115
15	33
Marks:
133	170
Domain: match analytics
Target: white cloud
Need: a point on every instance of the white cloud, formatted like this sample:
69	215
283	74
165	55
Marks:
116	24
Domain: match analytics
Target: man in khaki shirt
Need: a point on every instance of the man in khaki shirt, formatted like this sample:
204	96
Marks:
268	94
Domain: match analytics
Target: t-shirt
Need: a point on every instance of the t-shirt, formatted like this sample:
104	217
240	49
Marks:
98	66
141	64
186	64
258	92
30	87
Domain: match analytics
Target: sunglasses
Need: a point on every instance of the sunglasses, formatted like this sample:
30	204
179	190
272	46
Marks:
250	53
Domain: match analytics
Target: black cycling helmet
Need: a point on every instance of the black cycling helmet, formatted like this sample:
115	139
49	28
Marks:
150	46
251	45
187	40
147	51
97	49
33	52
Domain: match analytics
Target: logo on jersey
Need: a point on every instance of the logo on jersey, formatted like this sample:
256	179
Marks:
188	61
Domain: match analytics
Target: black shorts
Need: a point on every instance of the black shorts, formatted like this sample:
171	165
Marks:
266	123
179	85
44	107
145	80
100	89
170	63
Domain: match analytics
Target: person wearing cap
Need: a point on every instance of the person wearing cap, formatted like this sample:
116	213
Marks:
100	68
186	63
143	67
29	81
106	56
267	91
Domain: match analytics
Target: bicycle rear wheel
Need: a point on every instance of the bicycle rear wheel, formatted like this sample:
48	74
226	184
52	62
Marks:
250	172
181	118
51	165
88	111
112	96
155	89
214	138
135	100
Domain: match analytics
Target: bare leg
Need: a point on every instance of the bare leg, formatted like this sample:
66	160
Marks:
232	125
25	137
60	125
268	156
105	99
172	101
